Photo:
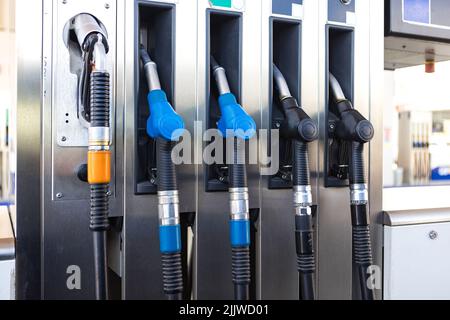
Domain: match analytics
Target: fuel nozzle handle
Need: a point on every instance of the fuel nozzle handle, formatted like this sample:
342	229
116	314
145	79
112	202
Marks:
353	126
297	124
234	121
163	122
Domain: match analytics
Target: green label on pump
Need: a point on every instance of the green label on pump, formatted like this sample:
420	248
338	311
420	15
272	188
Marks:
221	3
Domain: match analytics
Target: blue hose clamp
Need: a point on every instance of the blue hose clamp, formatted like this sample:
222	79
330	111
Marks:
170	239
240	233
163	122
235	122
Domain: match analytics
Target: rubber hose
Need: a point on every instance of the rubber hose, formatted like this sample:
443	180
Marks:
167	177
238	170
357	175
241	273
100	100
306	260
99	225
362	258
301	175
307	269
173	276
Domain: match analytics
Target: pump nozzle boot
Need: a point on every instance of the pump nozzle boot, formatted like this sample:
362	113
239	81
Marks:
235	122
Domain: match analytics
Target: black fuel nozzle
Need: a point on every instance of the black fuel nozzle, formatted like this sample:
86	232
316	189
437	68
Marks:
354	131
300	130
353	126
297	124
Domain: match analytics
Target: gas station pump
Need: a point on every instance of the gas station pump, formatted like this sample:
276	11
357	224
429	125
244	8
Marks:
300	129
237	125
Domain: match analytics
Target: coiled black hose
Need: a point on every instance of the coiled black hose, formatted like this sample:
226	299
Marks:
306	260
173	276
238	170
357	174
99	225
240	255
167	177
171	262
362	248
300	174
100	99
241	273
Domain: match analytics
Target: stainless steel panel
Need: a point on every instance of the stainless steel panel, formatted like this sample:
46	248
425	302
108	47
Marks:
70	133
29	144
413	217
142	267
212	245
334	219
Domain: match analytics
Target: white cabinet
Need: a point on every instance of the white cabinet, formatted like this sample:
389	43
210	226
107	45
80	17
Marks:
417	257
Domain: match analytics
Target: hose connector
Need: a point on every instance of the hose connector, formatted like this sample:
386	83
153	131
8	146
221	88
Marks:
303	200
239	217
359	194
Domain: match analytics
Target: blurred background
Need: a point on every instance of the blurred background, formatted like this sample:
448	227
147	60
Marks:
417	126
7	147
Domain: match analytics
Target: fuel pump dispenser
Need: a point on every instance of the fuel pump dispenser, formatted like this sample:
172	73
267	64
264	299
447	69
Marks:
300	129
351	132
94	98
237	125
166	126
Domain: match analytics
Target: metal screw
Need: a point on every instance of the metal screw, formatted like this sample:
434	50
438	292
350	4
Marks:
278	125
152	181
64	1
59	195
433	235
63	139
107	5
109	193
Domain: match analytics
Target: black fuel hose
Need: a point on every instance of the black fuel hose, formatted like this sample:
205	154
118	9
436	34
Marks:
241	268
171	261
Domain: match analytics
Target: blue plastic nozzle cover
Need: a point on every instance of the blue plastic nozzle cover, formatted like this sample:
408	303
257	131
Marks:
163	122
235	122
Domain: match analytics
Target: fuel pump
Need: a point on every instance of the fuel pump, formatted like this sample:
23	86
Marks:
300	129
166	126
94	98
236	124
352	131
